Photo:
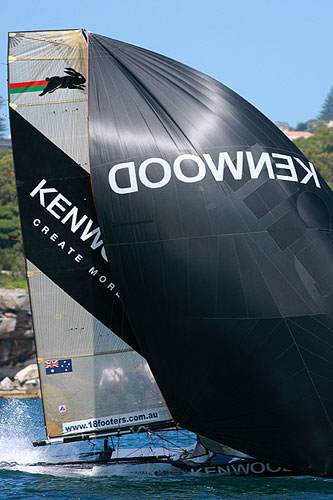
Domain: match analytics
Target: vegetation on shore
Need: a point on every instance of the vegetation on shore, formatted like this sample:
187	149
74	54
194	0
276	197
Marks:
319	150
12	265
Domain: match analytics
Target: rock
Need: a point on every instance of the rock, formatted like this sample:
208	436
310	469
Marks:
11	370
17	343
29	334
14	300
28	373
31	385
32	382
7	384
7	324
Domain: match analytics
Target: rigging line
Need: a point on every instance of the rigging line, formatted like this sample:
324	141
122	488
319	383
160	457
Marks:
137	449
183	433
164	439
164	447
309	375
151	441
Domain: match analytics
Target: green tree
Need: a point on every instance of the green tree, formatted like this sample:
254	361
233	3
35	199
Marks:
10	231
312	125
319	150
301	126
327	109
2	120
11	249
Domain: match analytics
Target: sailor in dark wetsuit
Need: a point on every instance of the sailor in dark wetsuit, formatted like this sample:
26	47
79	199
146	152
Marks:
106	454
74	80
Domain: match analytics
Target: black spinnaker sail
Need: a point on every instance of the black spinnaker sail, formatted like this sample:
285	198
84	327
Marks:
218	235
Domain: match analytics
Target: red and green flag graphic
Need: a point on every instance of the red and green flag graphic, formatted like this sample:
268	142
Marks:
37	86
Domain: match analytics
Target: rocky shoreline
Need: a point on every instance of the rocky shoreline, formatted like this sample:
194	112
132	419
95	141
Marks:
25	384
18	364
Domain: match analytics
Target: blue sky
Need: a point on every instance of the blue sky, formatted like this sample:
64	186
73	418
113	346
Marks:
277	54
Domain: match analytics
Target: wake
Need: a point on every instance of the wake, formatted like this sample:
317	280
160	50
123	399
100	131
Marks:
19	426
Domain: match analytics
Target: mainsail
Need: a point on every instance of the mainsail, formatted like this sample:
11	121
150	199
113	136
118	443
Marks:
92	377
218	233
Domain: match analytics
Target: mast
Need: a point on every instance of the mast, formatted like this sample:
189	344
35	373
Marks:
218	232
93	380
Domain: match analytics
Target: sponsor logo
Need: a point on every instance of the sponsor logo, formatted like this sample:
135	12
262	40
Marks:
62	409
70	217
243	469
155	173
124	420
72	80
63	210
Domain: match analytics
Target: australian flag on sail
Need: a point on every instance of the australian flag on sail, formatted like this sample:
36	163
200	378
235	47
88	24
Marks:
58	366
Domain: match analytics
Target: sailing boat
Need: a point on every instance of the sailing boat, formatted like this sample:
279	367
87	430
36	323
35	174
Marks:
94	381
216	230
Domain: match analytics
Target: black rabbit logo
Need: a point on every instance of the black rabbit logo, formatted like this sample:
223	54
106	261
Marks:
72	80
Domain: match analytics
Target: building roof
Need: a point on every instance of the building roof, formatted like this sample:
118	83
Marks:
294	134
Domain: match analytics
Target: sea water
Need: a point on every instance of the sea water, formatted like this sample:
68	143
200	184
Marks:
20	477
